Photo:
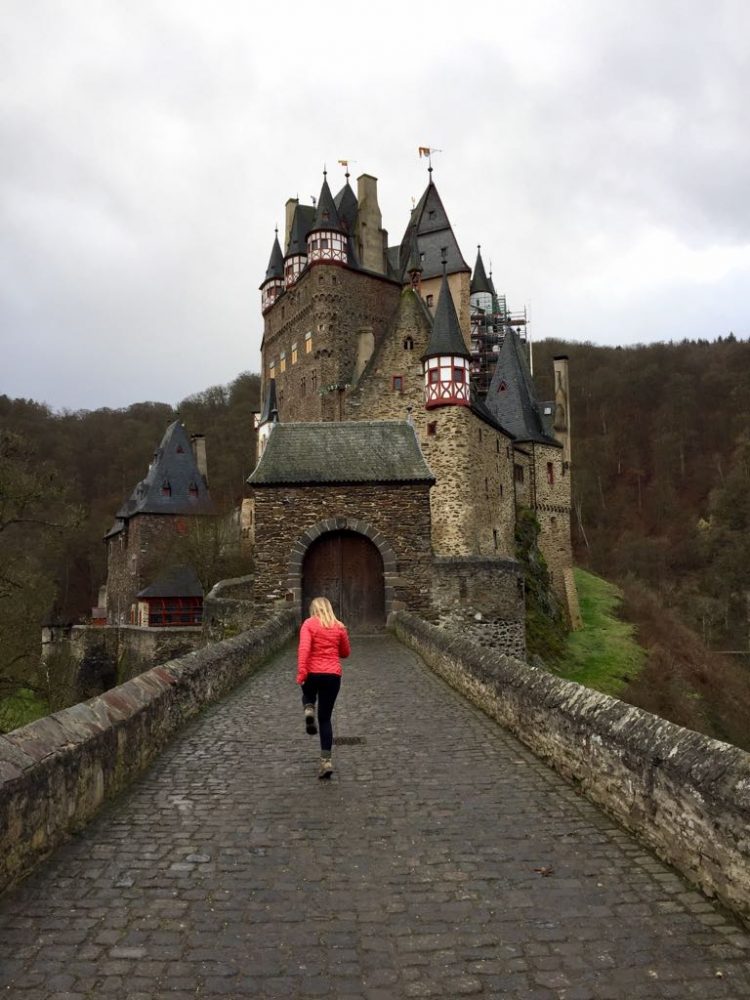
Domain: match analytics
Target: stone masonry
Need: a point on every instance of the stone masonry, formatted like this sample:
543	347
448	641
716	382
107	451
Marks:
443	860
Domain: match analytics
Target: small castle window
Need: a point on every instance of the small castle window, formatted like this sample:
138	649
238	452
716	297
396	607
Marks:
431	213
324	244
507	451
294	354
486	487
480	435
434	376
501	491
166	489
282	362
430	299
432	428
308	342
497	447
408	344
314	381
494	535
303	387
421	258
553	522
518	473
272	370
503	386
398	383
458	375
193	489
550	473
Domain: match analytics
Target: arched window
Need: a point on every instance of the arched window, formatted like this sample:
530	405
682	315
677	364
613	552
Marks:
408	343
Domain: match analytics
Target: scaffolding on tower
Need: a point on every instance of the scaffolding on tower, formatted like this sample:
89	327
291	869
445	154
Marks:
488	330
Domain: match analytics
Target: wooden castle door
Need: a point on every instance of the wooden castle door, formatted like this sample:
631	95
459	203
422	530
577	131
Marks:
347	568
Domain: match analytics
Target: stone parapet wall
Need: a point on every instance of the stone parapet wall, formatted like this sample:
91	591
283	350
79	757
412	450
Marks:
55	773
493	587
686	796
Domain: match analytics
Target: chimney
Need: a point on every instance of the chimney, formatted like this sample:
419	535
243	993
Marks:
369	226
562	405
291	204
198	441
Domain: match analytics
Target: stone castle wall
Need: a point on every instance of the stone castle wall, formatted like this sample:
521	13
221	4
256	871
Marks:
473	510
552	507
398	512
130	555
333	303
685	795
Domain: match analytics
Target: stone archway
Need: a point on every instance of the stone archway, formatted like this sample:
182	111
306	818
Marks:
341	527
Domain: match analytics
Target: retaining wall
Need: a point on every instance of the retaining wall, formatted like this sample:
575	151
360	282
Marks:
55	773
685	795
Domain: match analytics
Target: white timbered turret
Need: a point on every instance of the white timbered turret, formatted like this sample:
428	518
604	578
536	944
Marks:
327	239
273	283
295	258
481	291
446	360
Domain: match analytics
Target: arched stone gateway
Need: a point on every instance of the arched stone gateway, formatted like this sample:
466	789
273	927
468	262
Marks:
351	564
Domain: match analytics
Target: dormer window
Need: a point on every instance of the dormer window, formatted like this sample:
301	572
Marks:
193	490
166	489
180	450
430	300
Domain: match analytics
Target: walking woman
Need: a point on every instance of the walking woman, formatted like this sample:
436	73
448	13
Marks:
323	643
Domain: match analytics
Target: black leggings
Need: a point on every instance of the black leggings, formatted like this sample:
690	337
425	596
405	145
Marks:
324	688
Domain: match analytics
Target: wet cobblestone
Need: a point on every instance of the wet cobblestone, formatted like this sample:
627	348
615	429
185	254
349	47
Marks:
443	860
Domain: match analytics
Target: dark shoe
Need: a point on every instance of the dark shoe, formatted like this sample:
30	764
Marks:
326	768
310	728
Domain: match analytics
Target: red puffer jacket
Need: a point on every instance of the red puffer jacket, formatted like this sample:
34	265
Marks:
321	649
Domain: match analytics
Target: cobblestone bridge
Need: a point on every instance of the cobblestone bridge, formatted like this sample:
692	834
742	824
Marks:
442	861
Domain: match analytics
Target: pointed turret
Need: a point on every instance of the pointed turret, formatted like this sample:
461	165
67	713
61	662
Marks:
511	397
327	239
480	292
446	360
434	235
295	258
273	283
269	415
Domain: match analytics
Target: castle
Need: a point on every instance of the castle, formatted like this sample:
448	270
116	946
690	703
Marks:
392	458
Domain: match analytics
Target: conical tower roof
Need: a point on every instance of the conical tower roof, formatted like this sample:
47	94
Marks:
302	223
446	335
434	235
347	207
415	260
511	397
270	411
327	217
275	267
479	279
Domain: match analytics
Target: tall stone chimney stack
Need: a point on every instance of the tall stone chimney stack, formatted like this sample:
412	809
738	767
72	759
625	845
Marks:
291	204
562	405
371	238
198	441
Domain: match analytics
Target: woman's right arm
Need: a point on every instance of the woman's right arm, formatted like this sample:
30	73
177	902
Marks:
303	652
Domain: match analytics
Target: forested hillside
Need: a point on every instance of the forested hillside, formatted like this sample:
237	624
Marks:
62	478
661	460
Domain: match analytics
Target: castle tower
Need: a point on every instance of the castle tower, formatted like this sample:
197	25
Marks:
481	289
446	360
414	265
295	258
326	240
273	283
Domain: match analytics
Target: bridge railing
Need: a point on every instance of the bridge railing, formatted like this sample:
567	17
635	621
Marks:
685	795
56	772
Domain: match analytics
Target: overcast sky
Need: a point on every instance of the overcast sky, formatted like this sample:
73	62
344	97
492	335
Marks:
599	150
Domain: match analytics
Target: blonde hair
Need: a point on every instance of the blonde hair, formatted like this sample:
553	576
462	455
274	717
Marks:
320	608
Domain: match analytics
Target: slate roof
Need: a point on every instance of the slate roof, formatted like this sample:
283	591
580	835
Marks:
326	216
173	464
302	223
177	581
511	397
348	452
275	267
446	337
479	280
434	233
270	405
347	207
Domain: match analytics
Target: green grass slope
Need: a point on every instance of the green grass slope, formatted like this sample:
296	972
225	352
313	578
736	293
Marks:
603	654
